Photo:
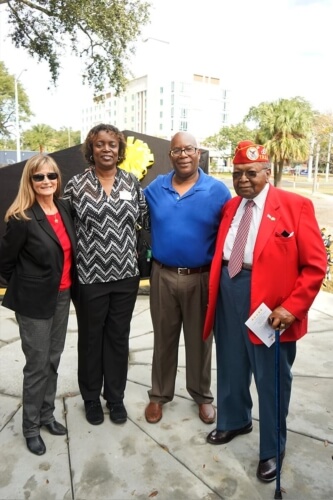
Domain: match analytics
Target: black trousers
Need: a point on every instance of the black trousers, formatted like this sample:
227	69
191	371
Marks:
104	312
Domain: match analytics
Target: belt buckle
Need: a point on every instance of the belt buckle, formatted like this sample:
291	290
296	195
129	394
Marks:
182	271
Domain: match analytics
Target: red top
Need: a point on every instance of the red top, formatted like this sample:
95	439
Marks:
60	230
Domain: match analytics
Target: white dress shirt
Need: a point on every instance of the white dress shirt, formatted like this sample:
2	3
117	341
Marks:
258	209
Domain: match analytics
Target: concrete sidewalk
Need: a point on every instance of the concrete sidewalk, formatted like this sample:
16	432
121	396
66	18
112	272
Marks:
169	460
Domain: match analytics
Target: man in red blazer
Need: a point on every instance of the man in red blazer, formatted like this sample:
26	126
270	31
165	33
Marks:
283	265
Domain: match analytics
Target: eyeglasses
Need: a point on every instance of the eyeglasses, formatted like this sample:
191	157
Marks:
189	151
249	174
52	176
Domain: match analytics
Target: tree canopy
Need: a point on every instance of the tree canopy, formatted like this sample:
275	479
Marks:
100	32
284	127
7	103
228	137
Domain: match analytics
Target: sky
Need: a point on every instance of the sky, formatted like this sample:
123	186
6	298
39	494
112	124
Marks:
262	50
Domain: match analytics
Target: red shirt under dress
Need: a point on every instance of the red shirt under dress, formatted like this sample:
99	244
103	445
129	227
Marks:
59	228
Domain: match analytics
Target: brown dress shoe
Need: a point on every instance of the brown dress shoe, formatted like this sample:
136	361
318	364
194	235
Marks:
153	412
207	413
223	437
266	470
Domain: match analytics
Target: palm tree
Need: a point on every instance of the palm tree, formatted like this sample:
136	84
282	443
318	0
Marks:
39	137
285	128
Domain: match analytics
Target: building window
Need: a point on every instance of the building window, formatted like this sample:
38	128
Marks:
161	90
161	102
161	114
183	126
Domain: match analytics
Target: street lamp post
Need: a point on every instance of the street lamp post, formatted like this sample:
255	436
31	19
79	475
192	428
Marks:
18	136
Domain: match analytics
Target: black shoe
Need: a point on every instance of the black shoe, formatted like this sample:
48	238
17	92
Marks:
223	437
266	470
94	412
36	445
56	428
118	413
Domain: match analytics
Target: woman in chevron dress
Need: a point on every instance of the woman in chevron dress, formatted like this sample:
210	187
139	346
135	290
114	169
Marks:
106	205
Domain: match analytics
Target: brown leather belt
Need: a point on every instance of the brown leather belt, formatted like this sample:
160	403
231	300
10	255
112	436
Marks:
184	271
248	267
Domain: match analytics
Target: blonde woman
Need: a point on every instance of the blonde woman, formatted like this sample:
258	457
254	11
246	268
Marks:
37	261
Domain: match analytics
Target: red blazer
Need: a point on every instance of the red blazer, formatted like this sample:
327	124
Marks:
287	271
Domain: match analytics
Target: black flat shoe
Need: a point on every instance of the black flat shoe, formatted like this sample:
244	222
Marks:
266	470
36	445
118	413
56	428
94	412
222	437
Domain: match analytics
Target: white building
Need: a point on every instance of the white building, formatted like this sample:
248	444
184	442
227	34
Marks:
163	99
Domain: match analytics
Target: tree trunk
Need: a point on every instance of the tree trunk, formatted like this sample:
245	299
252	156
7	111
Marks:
278	170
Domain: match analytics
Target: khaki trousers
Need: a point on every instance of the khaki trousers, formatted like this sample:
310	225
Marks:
178	302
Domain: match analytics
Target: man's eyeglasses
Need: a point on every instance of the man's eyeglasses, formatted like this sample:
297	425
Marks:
189	151
249	174
52	176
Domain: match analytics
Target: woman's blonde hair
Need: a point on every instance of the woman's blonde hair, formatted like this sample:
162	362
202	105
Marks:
26	195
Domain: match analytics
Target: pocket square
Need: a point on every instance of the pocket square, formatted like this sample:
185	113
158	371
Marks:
285	234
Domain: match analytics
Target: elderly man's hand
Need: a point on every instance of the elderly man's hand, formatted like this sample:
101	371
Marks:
280	318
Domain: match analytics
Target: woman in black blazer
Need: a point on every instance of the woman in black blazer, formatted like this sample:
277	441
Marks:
37	261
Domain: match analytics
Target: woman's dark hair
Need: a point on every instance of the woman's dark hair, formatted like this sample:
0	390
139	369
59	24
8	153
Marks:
87	146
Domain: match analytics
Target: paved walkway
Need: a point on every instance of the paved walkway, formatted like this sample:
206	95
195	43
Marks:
169	460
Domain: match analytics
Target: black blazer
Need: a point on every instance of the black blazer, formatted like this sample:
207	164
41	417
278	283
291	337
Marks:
31	261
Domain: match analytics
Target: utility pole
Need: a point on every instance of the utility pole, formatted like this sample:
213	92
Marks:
310	163
328	158
315	175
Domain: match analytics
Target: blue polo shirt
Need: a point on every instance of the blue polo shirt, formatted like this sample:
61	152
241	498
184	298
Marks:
184	228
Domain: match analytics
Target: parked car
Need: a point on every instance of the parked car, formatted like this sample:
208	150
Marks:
303	172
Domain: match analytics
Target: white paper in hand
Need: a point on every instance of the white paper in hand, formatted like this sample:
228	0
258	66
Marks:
258	323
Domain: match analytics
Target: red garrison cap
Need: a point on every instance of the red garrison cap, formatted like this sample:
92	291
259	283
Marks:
248	152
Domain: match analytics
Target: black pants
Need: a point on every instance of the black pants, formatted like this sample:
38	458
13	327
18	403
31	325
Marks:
104	312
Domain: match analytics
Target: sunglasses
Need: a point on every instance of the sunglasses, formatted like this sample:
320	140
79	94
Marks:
52	176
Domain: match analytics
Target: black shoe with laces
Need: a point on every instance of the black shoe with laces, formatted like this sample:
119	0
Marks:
118	413
94	412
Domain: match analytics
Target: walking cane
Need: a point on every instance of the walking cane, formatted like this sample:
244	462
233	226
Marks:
278	493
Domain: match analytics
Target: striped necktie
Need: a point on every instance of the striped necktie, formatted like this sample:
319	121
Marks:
237	252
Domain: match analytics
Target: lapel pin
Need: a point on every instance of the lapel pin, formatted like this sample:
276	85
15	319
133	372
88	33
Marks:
270	217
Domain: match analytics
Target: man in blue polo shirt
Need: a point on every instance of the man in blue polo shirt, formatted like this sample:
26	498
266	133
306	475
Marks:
185	207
